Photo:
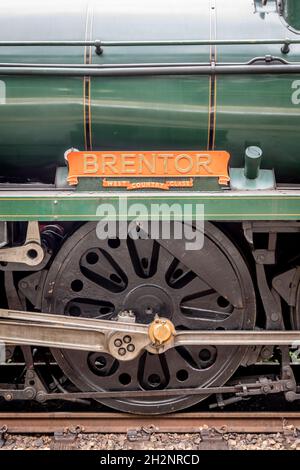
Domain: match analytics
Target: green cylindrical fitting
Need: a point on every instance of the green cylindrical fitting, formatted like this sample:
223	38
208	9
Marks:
253	156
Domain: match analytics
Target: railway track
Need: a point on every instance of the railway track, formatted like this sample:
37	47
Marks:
232	422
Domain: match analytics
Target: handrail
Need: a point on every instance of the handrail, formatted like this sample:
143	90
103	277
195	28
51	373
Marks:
98	44
268	59
158	70
160	42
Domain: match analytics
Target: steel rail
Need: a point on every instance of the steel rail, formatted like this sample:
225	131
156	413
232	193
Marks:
91	422
144	70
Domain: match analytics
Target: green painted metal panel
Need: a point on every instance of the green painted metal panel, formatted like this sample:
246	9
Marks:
40	119
162	113
264	116
239	206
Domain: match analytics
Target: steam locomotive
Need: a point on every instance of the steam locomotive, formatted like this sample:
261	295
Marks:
112	108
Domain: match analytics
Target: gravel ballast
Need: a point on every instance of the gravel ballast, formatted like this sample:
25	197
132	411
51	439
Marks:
157	441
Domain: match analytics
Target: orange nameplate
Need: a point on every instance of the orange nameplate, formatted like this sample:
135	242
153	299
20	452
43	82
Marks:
147	165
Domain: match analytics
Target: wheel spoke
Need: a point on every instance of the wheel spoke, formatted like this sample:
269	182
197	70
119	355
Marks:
144	255
163	264
89	309
196	289
181	372
89	292
120	252
209	264
210	321
152	373
124	377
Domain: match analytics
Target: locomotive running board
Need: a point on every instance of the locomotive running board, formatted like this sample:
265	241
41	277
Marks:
282	204
123	338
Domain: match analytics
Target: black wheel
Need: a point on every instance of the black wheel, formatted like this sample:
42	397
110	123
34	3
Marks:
208	289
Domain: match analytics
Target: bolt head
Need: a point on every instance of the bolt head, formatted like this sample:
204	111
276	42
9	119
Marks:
289	385
290	396
29	392
122	351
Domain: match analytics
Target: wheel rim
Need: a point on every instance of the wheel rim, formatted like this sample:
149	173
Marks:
295	310
210	289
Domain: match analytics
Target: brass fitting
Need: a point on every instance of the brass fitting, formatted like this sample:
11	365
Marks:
161	331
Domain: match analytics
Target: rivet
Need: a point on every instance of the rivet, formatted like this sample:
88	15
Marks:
274	317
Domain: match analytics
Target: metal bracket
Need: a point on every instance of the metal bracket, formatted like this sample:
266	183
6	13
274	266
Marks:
98	48
286	47
31	287
64	440
268	227
3	234
29	254
211	439
221	402
262	257
270	300
280	7
3	431
286	285
268	59
288	376
32	387
141	434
